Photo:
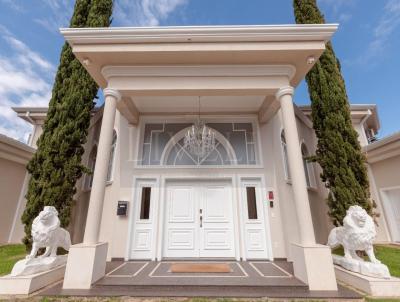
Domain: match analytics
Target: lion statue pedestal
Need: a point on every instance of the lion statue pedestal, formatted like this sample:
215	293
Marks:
32	273
357	234
46	233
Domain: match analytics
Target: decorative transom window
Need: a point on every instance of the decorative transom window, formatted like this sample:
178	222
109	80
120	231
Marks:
163	145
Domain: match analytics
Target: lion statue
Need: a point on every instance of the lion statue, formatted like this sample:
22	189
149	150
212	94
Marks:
357	234
46	232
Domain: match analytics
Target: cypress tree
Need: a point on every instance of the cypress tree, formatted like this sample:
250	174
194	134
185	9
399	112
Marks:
56	165
338	149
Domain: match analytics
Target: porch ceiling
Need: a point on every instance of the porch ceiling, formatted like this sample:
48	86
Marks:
190	104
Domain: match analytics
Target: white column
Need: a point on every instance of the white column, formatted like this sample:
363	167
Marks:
95	210
285	97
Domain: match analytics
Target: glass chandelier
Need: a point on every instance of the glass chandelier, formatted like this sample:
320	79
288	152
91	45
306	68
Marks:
200	139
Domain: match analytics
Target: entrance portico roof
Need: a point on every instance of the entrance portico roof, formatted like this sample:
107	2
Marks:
214	61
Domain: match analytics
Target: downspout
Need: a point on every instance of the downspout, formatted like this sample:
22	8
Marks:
31	135
365	118
28	117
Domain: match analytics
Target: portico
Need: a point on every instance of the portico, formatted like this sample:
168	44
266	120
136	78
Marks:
238	71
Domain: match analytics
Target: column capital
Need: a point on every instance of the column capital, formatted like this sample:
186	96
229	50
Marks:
112	92
283	91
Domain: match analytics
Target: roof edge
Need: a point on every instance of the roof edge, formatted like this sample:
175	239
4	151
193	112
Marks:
228	33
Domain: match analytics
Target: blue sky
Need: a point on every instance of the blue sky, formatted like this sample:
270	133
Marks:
367	44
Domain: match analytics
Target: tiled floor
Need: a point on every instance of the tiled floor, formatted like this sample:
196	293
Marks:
246	279
252	273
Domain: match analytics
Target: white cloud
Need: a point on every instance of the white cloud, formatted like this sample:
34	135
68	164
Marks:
339	9
386	26
126	12
59	16
13	5
144	12
344	17
25	78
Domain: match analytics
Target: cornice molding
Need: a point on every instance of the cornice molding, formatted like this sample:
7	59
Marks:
199	71
14	150
191	34
382	149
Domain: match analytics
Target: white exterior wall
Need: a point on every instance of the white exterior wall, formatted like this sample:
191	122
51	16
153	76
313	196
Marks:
115	230
317	194
37	131
282	217
270	144
362	138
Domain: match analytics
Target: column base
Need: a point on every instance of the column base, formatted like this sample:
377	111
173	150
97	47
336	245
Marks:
314	266
86	264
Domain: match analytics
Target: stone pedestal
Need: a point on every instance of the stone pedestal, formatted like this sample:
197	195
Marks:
377	270
24	285
86	265
314	266
37	265
378	287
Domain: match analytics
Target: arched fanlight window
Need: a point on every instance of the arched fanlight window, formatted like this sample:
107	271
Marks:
91	164
285	156
308	167
112	155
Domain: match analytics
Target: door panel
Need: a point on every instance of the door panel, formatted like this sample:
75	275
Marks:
199	221
216	204
142	246
255	239
182	205
217	227
181	236
181	239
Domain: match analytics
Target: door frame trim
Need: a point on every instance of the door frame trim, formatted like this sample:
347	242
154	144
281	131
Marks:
155	181
159	218
243	179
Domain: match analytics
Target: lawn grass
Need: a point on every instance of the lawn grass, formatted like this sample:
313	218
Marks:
387	254
381	300
9	254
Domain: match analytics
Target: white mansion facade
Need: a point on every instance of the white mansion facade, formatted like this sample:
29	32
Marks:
254	196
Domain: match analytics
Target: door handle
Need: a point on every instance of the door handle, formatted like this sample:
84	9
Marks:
201	221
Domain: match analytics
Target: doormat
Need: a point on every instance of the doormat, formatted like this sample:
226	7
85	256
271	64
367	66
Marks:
200	268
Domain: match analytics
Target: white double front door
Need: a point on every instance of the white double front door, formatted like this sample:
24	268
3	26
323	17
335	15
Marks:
199	220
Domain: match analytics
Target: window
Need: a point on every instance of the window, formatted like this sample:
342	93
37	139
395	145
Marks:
145	203
91	164
251	202
285	156
163	145
112	155
308	167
